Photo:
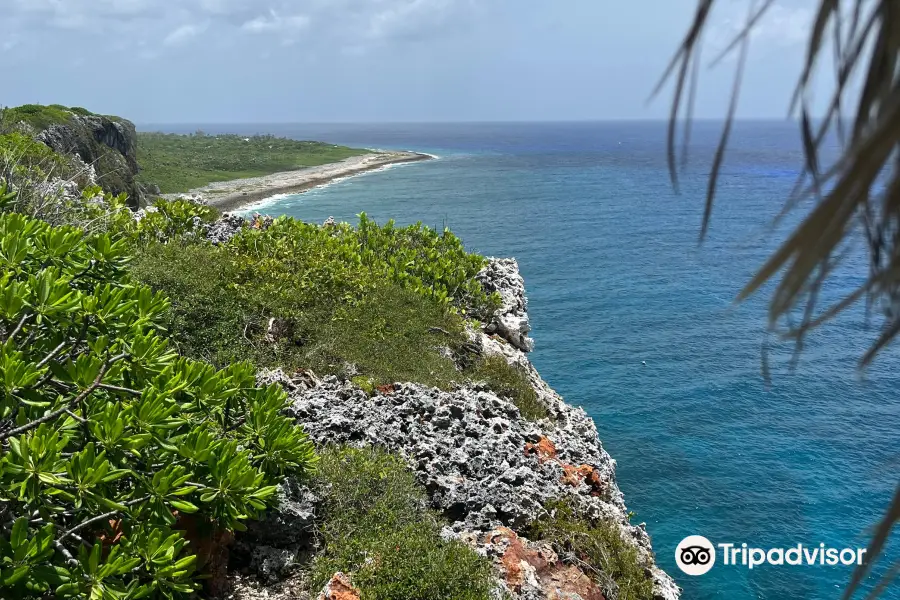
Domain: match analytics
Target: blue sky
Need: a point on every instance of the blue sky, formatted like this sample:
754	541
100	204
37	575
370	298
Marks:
195	61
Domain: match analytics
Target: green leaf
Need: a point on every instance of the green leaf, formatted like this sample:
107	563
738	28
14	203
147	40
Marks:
183	506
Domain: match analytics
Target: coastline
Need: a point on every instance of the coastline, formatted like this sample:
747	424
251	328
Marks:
235	194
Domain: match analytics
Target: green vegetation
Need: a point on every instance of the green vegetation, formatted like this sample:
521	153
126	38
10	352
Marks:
376	525
38	116
178	163
112	446
27	166
384	299
509	382
596	544
25	153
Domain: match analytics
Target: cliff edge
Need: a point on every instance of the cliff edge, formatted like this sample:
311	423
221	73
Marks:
106	145
489	470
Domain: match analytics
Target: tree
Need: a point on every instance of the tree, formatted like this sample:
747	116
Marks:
858	196
112	447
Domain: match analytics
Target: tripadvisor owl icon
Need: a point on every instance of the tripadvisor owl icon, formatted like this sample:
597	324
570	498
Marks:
695	555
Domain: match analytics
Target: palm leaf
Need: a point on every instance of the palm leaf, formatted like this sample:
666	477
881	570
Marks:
858	203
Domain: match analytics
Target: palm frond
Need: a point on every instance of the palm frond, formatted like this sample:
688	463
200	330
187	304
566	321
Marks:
855	197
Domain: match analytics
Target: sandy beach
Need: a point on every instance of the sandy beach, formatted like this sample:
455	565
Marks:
232	195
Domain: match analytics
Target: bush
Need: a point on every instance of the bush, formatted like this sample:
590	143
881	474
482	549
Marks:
510	382
341	260
295	294
35	115
206	319
599	545
221	312
376	524
22	152
112	444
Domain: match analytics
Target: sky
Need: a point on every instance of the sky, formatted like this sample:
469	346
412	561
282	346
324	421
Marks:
279	61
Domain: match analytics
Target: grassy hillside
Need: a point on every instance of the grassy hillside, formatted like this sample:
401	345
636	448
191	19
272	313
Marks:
40	117
178	163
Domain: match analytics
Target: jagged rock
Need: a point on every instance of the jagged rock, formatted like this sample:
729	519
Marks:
483	465
108	144
468	448
270	564
251	588
533	571
475	454
290	522
510	321
272	547
195	198
339	588
224	228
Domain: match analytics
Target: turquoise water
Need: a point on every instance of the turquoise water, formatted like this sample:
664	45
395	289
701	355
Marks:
615	277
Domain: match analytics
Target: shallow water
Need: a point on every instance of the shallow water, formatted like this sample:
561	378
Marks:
615	277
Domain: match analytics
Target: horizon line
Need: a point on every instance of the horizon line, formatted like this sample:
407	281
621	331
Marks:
475	122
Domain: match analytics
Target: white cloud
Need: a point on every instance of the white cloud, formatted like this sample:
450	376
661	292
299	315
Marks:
183	34
413	17
275	22
782	26
787	26
357	24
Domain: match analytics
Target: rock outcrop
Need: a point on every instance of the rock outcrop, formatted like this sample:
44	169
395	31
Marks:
510	321
108	145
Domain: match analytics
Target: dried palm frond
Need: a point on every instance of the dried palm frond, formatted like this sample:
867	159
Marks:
856	197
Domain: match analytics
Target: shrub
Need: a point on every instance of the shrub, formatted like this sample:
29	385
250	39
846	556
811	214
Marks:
206	319
383	298
597	544
221	308
376	524
37	116
510	382
171	219
22	152
112	444
341	260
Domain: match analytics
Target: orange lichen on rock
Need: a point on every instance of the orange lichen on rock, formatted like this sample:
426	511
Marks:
536	566
575	476
544	449
339	588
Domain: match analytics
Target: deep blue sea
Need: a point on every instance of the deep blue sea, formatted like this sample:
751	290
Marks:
616	277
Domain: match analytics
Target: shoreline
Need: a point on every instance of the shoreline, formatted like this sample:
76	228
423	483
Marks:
235	194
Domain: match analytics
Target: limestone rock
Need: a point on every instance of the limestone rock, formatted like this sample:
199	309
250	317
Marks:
108	144
483	465
339	588
533	571
510	321
226	227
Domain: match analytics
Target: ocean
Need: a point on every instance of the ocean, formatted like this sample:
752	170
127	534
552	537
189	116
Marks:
616	278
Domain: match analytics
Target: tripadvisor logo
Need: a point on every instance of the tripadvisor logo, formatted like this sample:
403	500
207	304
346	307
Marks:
696	555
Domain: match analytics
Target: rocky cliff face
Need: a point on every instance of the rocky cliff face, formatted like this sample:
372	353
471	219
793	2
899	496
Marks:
486	468
107	144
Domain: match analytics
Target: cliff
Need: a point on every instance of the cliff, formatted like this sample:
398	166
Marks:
490	471
106	145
